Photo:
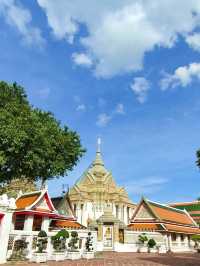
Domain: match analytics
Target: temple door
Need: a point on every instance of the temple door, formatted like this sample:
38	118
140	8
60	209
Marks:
108	237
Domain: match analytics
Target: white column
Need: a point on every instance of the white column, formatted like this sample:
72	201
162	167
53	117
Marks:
28	224
5	227
45	224
169	238
178	240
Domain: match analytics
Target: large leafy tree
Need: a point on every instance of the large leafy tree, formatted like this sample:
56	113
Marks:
198	158
33	144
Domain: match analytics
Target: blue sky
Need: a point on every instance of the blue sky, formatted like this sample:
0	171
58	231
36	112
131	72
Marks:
127	71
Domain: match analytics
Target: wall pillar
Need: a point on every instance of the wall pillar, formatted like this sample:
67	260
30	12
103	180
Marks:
45	224
178	240
28	224
5	227
100	232
169	242
116	233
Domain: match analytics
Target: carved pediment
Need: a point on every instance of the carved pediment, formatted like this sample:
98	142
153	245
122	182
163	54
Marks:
144	213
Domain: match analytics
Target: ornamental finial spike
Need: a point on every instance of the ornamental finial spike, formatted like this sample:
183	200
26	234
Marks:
99	145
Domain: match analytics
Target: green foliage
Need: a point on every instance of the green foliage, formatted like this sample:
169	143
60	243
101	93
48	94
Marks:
88	243
33	144
198	158
195	238
42	233
151	243
59	240
41	241
143	238
73	244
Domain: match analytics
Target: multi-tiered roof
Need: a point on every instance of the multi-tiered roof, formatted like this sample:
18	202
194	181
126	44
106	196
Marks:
193	208
153	216
97	185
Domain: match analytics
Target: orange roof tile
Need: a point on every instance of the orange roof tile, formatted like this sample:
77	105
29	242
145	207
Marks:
144	226
170	214
68	224
182	229
27	200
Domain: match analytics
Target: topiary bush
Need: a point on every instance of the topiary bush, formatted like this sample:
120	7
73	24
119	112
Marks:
151	243
143	238
73	244
88	243
59	240
42	241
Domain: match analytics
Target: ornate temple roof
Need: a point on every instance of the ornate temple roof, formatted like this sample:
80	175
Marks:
153	216
192	207
97	184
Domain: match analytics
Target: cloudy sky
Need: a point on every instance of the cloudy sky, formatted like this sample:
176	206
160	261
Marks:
125	70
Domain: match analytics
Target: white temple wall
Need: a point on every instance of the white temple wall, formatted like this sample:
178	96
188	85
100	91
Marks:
31	235
5	227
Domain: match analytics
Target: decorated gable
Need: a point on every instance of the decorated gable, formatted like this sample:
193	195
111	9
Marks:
44	204
144	213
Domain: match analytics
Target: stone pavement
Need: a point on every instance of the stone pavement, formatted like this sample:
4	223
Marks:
129	259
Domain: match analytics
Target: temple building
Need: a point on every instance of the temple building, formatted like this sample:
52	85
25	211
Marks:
95	190
170	227
193	208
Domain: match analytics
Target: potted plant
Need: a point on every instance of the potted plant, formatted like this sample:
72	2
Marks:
142	239
18	254
89	250
196	240
59	244
73	252
41	255
151	245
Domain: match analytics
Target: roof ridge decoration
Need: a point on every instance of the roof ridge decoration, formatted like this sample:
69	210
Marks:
166	207
184	203
143	200
190	217
29	193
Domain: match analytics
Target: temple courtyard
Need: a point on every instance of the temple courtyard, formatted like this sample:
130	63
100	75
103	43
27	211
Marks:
126	259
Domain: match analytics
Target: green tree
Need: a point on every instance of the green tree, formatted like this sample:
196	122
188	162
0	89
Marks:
198	158
33	144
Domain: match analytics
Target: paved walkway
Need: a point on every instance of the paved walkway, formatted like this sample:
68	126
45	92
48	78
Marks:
129	259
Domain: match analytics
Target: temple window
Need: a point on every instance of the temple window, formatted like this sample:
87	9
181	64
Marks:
75	209
19	222
82	206
128	214
37	223
182	238
117	211
173	237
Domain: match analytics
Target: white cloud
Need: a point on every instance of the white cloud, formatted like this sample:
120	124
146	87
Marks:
146	186
121	32
140	87
82	59
103	119
81	107
20	18
120	109
182	76
194	41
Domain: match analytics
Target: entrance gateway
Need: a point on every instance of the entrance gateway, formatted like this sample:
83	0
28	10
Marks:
108	237
109	229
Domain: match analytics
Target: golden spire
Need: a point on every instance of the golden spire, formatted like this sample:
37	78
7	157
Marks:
98	160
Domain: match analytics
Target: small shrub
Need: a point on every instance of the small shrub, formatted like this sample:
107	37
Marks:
73	244
88	243
151	243
59	240
42	233
41	241
143	238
